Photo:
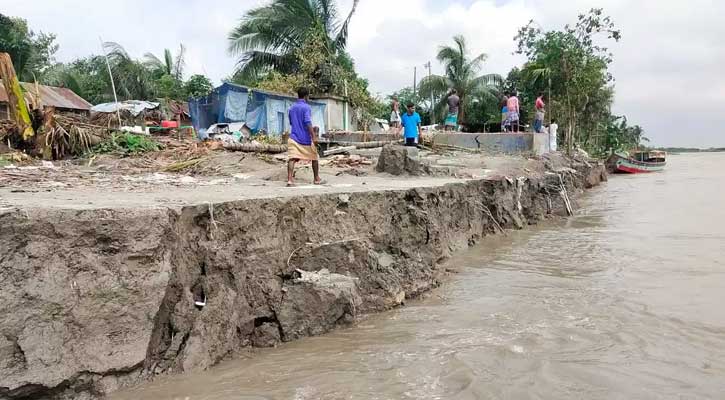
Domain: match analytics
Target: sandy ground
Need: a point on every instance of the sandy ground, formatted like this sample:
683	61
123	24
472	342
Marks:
108	182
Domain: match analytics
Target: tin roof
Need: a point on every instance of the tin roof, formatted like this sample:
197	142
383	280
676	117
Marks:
51	96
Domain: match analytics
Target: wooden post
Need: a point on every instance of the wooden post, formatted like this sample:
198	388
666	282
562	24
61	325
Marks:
16	101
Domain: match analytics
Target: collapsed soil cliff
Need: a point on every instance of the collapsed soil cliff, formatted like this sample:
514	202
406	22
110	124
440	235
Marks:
95	300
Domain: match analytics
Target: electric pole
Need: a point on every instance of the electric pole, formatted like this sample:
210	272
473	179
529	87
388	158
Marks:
430	73
415	72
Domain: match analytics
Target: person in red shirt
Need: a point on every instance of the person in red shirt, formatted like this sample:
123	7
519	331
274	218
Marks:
539	116
512	106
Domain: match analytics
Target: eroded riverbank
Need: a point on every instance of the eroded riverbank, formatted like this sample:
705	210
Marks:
621	301
100	298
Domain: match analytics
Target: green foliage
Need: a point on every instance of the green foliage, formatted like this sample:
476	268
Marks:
172	66
268	37
198	86
135	80
148	79
461	74
619	136
87	77
574	69
168	87
32	54
124	143
316	71
406	96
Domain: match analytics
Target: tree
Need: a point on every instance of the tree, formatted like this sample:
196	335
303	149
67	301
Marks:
268	37
133	80
576	67
619	136
168	87
198	86
172	66
87	77
406	96
461	75
32	54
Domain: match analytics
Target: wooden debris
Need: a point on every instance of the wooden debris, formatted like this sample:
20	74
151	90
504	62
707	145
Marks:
183	165
256	147
338	150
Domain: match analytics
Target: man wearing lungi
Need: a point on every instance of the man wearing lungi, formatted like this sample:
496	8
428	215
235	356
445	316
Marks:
301	142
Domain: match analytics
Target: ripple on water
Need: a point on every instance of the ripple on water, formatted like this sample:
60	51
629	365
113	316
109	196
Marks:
622	301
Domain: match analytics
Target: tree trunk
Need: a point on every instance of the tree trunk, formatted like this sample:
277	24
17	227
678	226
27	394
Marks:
461	113
16	101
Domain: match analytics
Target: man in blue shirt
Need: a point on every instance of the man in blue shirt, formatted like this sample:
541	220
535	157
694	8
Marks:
411	125
301	142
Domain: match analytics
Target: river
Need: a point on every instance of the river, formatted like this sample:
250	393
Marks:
625	300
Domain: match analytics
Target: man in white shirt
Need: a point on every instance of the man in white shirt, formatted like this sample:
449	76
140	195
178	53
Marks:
553	127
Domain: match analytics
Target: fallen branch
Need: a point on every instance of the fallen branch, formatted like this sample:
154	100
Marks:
490	215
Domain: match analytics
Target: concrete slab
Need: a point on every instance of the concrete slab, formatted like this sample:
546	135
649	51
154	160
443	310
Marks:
506	143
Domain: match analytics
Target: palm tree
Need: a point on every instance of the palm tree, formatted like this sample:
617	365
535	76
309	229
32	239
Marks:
461	75
169	66
133	79
540	76
267	36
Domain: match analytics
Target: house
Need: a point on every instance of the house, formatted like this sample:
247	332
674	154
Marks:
338	113
267	112
259	110
63	99
225	104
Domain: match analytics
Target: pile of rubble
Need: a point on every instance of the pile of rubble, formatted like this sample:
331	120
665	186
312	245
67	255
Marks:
352	160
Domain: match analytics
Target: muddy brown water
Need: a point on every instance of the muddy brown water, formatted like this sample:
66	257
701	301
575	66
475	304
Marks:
623	301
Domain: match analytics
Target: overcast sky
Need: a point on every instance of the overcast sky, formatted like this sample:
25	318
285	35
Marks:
668	66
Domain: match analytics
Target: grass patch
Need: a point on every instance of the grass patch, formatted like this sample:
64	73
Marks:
125	143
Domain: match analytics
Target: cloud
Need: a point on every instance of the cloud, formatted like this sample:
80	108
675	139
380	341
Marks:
667	66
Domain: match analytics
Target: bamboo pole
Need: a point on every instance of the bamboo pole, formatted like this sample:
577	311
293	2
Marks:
113	85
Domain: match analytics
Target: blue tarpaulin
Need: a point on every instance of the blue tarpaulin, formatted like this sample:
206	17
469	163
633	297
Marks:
260	111
225	104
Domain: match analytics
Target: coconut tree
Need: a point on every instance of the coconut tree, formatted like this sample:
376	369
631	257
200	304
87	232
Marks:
461	74
267	36
133	79
170	65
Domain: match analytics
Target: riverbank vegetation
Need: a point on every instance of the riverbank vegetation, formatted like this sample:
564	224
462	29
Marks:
288	43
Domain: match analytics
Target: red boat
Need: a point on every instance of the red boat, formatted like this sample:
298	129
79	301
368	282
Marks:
638	162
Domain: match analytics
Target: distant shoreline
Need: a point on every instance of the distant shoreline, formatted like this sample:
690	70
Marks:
691	149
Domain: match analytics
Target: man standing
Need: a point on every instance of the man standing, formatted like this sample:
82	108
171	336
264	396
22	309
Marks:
301	143
411	125
453	104
395	114
512	104
553	127
504	115
539	116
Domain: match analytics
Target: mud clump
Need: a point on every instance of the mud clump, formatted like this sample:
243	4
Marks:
399	160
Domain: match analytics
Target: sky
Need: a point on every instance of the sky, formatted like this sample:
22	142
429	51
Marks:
668	65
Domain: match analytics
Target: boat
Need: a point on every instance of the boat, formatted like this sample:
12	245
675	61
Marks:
637	162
